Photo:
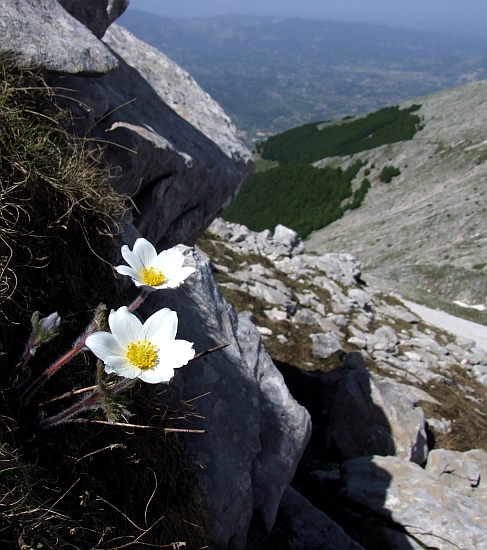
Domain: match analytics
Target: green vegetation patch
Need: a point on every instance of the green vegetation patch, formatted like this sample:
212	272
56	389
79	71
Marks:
309	144
358	195
299	196
389	172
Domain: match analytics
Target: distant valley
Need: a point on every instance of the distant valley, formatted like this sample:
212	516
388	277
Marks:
271	74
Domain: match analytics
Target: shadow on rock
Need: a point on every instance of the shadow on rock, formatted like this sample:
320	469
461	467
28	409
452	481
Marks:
352	412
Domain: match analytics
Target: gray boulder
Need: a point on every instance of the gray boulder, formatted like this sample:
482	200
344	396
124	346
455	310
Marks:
402	491
97	15
40	33
343	268
255	431
465	472
177	153
372	415
384	338
325	345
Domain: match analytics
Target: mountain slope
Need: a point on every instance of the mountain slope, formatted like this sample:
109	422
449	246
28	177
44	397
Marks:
427	228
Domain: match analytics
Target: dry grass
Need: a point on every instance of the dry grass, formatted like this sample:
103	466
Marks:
57	209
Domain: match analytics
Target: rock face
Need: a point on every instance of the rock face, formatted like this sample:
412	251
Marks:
178	154
256	432
97	15
169	146
40	33
372	416
312	529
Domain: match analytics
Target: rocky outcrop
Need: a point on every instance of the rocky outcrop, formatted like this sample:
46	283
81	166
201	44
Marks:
172	149
372	416
312	529
96	15
40	33
370	431
255	430
169	146
431	512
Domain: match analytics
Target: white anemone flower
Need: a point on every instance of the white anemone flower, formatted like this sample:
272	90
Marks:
147	351
153	271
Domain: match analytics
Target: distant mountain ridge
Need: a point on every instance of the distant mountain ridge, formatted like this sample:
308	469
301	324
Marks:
272	74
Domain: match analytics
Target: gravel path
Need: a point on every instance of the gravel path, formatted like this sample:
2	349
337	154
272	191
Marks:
450	323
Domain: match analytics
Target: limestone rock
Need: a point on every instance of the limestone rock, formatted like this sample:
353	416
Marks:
325	345
256	432
313	529
371	416
344	268
288	241
180	158
97	15
40	33
465	473
402	491
384	338
441	426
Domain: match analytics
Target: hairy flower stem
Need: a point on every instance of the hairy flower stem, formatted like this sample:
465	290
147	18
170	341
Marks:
90	402
138	301
29	392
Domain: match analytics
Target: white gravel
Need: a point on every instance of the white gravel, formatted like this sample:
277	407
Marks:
450	323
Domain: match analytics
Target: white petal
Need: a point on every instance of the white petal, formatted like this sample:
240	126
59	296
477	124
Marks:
170	262
159	374
176	353
132	259
126	270
125	327
161	327
146	252
121	366
104	345
143	286
183	274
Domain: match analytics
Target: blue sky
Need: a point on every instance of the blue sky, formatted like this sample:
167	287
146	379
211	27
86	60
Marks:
465	16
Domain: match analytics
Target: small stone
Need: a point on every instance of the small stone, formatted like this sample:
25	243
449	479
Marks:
325	345
276	314
440	426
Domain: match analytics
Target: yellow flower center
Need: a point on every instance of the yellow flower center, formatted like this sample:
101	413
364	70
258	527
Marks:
142	354
153	276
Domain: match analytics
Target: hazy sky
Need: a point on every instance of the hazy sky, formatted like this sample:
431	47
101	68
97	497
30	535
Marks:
466	16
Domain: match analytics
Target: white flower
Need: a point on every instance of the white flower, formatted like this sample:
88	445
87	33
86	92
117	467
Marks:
147	351
152	271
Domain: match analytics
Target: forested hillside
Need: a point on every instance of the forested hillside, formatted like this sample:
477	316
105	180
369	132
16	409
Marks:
307	198
313	142
299	196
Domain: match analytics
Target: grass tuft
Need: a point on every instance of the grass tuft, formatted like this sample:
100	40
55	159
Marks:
57	209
